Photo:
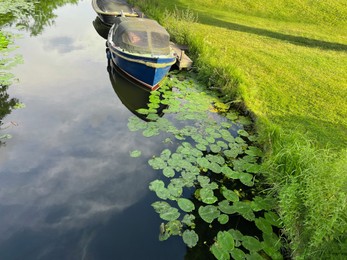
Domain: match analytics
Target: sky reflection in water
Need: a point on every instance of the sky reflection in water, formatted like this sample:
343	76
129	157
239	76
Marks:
68	187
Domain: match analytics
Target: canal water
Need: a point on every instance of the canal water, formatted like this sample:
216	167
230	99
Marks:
68	186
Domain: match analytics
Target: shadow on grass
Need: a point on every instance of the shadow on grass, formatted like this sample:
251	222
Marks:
297	40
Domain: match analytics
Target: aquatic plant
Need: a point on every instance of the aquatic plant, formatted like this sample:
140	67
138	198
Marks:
210	165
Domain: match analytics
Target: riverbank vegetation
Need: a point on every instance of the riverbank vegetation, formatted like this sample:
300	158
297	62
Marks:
285	64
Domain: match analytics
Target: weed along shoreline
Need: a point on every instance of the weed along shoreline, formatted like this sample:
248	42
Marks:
286	66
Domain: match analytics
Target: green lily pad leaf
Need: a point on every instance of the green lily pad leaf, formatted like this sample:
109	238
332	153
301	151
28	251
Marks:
223	219
173	227
203	162
215	159
247	179
237	254
254	151
158	187
242	132
215	167
253	168
152	117
259	203
208	213
165	154
229	194
189	178
161	206
213	186
255	256
226	208
150	131
203	180
186	204
153	105
225	240
196	153
210	139
232	115
201	147
207	196
244	209
190	238
157	163
174	190
168	172
236	234
135	153
231	153
239	140
135	124
222	144
163	234
229	173
219	253
252	244
142	111
263	225
226	135
226	124
5	136
215	148
244	120
188	219
170	214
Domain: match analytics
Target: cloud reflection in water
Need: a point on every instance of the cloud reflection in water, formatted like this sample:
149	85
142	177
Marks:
68	187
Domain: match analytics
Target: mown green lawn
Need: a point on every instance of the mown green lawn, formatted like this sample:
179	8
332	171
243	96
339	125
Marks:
291	68
286	63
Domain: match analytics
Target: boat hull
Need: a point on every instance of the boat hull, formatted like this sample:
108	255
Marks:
109	10
149	71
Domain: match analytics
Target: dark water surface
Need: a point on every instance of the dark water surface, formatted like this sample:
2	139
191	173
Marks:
68	187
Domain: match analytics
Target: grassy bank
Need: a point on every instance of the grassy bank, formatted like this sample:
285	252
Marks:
285	63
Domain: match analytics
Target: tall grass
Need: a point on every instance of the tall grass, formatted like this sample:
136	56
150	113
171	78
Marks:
311	186
286	63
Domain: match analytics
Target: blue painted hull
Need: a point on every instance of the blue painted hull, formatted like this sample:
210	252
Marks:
136	67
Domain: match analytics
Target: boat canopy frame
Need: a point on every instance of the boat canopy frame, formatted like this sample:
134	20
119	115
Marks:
141	35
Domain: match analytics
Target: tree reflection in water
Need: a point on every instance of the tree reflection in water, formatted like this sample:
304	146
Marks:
28	16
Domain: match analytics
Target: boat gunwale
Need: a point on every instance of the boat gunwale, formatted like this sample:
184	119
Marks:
111	13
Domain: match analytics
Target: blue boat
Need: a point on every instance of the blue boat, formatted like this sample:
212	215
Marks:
141	48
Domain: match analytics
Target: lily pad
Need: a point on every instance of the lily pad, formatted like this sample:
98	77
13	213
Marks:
190	238
188	219
219	253
168	172
208	213
158	187
170	214
186	204
252	244
223	219
135	153
207	196
225	240
229	194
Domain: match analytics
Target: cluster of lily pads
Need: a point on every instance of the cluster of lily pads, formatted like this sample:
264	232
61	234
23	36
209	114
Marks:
211	173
